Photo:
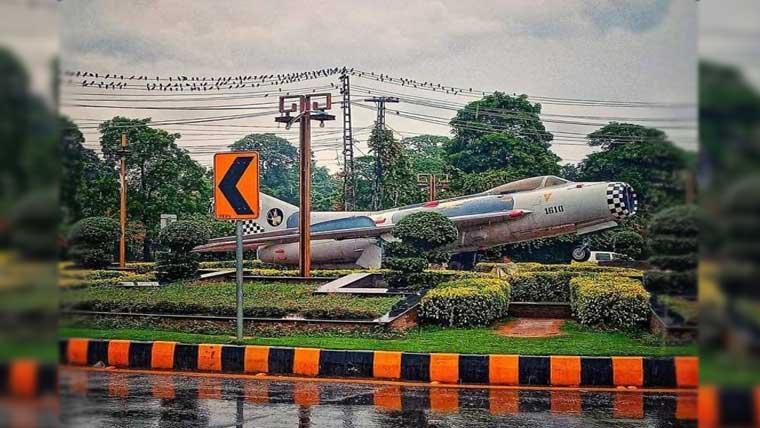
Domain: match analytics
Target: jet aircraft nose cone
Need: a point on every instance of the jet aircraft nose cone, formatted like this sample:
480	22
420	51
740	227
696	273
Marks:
621	200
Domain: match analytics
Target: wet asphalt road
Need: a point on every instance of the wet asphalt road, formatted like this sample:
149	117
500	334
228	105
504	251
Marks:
115	399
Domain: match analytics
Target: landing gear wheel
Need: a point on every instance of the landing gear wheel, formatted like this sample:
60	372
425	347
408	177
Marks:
581	254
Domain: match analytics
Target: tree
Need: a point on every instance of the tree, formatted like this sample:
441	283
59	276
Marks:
522	157
277	160
513	117
387	152
279	167
616	133
674	239
426	153
645	159
89	187
162	178
29	164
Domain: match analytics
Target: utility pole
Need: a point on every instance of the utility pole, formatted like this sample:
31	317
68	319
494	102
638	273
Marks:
432	183
123	202
380	103
308	111
377	197
349	185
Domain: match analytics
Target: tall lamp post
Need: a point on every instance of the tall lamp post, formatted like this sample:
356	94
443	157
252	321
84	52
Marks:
308	109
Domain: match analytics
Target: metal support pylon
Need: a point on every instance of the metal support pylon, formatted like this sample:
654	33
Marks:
349	185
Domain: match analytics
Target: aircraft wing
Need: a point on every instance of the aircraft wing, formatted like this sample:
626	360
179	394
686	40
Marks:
287	236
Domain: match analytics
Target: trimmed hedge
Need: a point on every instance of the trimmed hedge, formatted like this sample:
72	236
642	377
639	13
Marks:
541	286
466	302
629	243
679	262
609	301
259	300
671	282
174	266
673	245
406	265
179	262
92	241
577	268
674	240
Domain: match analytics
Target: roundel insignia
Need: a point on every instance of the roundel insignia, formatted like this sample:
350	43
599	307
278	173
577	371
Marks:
274	217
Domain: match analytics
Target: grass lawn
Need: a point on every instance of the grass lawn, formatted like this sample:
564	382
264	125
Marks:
260	300
577	341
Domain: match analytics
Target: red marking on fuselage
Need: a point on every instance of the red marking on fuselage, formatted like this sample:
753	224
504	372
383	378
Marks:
430	204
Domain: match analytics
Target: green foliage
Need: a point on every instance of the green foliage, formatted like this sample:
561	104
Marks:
162	178
671	282
468	184
173	266
520	157
424	235
643	158
684	221
537	286
679	263
423	280
609	301
426	230
426	153
279	167
629	243
33	223
402	249
405	265
89	187
466	302
674	232
79	278
515	118
92	241
183	236
259	300
616	133
670	244
391	174
180	238
216	228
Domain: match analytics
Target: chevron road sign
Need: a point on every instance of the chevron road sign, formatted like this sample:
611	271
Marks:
236	185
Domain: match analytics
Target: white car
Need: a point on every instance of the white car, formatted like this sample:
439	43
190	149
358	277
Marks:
582	254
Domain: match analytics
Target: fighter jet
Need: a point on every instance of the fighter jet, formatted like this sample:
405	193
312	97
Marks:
523	210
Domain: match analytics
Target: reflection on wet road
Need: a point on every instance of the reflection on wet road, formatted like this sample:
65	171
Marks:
104	398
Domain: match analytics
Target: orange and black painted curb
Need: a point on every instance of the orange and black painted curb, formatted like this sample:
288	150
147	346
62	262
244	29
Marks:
647	372
618	404
27	379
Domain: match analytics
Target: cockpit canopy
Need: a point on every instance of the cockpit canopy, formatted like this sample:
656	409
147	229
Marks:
528	184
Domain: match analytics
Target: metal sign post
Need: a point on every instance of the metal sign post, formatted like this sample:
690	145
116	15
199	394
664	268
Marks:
239	276
236	197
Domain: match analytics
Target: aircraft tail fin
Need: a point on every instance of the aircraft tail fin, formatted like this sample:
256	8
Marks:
274	215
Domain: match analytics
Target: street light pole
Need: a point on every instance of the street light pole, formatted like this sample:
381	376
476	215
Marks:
305	196
123	203
308	111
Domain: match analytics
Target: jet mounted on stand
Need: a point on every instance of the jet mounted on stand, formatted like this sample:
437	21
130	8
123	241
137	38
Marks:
523	210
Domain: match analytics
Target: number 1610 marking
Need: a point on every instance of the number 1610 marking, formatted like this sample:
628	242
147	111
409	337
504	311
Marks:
555	209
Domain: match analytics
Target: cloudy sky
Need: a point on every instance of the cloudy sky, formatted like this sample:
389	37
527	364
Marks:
622	51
